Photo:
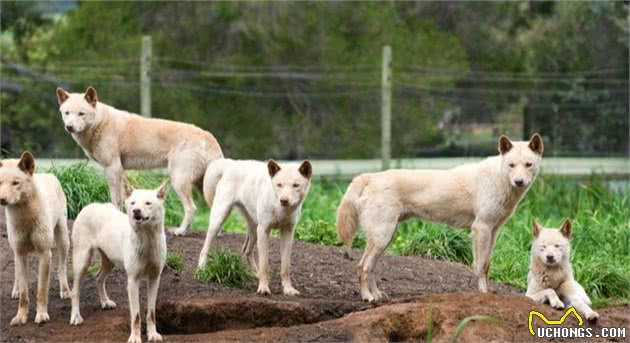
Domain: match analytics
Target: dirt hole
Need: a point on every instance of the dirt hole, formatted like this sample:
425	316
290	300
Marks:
209	315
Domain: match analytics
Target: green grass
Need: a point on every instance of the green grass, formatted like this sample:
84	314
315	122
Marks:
174	261
225	267
600	244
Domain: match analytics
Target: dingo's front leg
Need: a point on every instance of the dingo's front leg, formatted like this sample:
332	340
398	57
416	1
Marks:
21	266
15	293
134	309
286	243
263	259
42	288
577	298
153	285
547	295
483	239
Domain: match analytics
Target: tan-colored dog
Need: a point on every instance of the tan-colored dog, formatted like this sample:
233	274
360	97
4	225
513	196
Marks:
36	221
480	196
119	140
550	279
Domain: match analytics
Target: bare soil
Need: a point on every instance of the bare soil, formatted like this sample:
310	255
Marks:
328	310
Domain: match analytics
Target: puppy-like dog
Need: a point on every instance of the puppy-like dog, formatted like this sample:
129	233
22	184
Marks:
119	140
36	214
550	279
269	196
134	241
480	196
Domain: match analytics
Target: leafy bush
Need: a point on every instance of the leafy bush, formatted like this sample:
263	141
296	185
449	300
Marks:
225	267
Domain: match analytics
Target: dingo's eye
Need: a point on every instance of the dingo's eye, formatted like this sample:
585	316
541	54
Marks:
15	183
557	245
295	185
66	113
528	165
81	114
148	203
133	203
279	185
512	165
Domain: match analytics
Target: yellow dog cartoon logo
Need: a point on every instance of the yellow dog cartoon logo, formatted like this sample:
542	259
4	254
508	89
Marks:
553	322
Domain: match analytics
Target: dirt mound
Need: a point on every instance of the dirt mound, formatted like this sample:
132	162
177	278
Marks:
329	308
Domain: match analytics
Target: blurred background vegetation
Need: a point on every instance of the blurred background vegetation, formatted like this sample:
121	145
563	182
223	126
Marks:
293	80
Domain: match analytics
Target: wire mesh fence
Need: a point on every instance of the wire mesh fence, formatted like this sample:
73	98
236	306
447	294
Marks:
331	111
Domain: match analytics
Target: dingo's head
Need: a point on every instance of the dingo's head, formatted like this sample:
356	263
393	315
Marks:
290	182
16	179
551	246
521	160
78	111
145	207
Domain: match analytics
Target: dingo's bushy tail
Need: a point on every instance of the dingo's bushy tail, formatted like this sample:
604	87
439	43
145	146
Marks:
211	179
347	214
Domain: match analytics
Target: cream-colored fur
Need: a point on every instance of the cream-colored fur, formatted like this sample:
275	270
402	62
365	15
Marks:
36	214
135	242
119	140
480	196
550	279
269	196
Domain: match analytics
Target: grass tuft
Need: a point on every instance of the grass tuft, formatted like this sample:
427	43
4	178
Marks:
174	261
225	267
82	185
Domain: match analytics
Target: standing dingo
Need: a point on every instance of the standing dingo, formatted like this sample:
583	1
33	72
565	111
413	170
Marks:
134	241
269	195
480	196
36	214
119	140
550	276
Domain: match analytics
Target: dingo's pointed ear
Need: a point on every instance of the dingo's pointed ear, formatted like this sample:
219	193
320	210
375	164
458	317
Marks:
27	163
536	144
536	228
128	188
306	169
90	96
565	229
161	192
273	167
62	95
505	144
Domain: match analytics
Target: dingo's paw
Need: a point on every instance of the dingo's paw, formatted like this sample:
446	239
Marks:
367	296
41	317
263	290
593	317
378	295
19	319
15	294
134	338
556	304
108	304
180	231
154	337
290	291
65	294
76	319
